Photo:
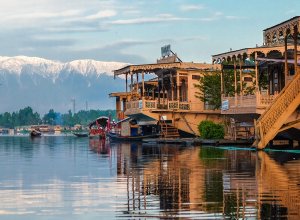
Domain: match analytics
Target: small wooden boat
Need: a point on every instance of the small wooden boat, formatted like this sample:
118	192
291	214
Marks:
35	133
118	138
99	127
81	134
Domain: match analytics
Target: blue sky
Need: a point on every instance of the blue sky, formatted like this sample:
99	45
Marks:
133	31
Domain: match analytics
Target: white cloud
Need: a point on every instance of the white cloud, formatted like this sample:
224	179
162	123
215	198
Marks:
232	17
103	14
191	7
144	20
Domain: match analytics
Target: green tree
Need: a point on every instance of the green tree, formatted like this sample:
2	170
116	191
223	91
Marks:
27	117
50	117
209	88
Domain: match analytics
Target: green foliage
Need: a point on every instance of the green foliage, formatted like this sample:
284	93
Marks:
26	116
209	88
23	117
50	117
85	117
210	130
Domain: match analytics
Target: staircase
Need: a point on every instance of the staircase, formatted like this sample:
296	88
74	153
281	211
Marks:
168	131
271	121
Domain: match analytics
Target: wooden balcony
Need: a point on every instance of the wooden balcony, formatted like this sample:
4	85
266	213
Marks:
135	107
250	104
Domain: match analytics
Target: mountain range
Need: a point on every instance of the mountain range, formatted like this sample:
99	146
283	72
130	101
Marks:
44	84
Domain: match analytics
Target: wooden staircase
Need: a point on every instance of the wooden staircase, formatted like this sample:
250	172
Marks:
272	120
168	130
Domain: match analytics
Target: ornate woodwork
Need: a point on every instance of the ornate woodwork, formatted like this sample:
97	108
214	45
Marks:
276	114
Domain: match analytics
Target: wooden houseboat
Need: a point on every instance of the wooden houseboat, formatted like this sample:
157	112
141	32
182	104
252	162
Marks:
169	98
266	85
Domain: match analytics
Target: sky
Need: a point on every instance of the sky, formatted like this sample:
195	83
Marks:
133	31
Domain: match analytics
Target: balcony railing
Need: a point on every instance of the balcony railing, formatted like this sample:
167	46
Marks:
246	104
167	105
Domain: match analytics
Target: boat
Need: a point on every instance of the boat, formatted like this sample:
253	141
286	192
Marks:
118	138
35	133
99	127
81	134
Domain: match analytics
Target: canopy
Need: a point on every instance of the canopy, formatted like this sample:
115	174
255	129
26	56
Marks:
101	121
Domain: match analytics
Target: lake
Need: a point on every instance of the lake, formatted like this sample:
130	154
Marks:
64	177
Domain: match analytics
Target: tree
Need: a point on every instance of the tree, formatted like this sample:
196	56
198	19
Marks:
209	88
27	117
50	117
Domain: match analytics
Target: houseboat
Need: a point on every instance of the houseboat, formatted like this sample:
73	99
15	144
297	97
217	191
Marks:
265	90
164	94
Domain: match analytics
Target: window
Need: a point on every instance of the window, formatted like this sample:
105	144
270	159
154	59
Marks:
195	77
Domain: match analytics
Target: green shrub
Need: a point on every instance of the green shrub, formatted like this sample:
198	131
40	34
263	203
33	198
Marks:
210	130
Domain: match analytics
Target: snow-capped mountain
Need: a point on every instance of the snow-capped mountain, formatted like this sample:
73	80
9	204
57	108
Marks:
44	84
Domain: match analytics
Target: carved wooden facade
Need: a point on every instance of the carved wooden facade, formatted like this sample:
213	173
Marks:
171	93
278	60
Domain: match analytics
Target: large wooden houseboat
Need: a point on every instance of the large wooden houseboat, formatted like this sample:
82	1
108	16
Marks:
168	98
266	87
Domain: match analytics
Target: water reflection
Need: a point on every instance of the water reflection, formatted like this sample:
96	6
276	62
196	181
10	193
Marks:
89	178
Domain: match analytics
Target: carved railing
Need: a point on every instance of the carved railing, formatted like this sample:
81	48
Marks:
150	104
173	105
266	100
153	104
275	115
184	106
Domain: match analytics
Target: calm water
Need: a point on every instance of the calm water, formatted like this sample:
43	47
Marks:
81	178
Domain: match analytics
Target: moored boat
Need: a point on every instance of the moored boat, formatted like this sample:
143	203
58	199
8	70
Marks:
98	127
81	134
35	133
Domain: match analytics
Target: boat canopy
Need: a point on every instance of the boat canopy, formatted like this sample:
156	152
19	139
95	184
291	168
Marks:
101	121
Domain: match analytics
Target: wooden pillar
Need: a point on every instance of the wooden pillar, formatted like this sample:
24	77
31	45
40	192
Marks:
286	70
163	89
235	82
158	87
131	85
178	84
126	83
118	107
137	83
172	87
124	104
143	84
222	81
295	48
256	72
241	79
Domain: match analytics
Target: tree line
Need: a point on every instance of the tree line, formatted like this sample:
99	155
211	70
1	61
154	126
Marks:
27	116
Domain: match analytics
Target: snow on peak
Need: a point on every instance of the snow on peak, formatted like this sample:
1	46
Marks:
50	68
92	66
33	64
